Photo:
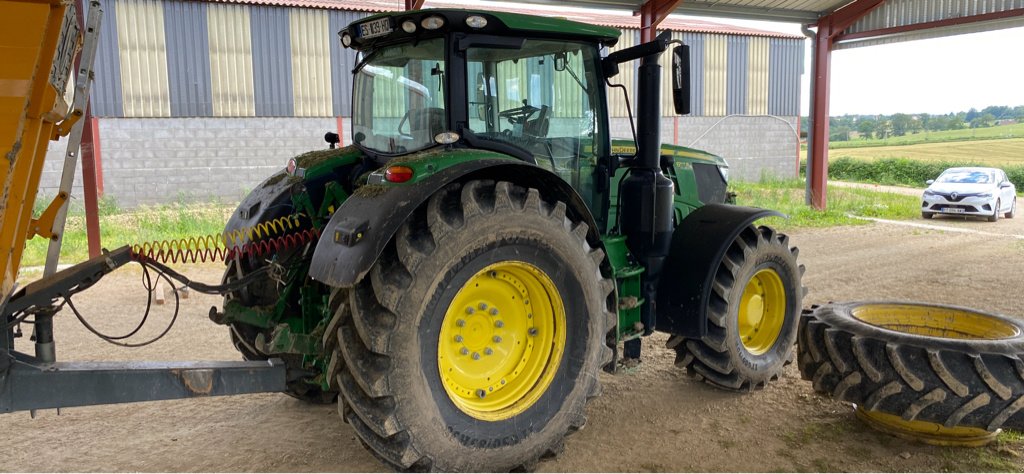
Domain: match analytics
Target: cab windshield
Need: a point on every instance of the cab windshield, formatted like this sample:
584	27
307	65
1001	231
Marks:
398	98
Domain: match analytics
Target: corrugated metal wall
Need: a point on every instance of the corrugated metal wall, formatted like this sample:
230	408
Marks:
757	68
626	77
186	58
311	62
188	72
716	55
231	61
736	74
105	99
142	52
343	60
271	61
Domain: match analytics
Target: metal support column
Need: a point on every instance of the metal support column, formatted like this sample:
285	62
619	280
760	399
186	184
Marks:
414	4
652	13
829	27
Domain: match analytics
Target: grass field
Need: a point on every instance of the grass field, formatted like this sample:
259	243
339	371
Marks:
176	221
787	197
972	134
1007	152
145	224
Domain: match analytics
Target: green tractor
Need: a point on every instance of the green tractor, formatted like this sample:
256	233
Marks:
484	247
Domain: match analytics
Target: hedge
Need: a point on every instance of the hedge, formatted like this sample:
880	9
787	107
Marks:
903	171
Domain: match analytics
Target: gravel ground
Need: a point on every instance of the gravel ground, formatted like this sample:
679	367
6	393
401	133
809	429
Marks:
652	418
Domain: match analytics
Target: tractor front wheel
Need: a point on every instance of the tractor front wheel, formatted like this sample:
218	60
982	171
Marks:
753	313
476	339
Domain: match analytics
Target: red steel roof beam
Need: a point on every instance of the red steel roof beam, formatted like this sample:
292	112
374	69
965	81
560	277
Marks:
829	27
963	20
652	13
414	4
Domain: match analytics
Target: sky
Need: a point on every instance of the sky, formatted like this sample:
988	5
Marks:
935	76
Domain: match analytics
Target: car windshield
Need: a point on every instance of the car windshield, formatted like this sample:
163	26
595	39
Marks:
398	98
966	176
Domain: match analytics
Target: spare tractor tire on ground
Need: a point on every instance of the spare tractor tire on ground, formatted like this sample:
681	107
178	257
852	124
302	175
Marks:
933	363
476	339
753	314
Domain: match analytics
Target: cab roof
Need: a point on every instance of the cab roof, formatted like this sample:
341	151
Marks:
498	23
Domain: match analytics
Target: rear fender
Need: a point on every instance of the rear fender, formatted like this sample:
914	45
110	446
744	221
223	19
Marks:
698	245
360	229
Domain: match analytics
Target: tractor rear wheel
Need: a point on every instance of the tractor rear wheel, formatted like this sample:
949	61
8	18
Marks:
920	362
476	339
753	313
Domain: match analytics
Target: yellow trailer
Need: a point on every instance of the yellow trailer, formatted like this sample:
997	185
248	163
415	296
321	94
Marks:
38	42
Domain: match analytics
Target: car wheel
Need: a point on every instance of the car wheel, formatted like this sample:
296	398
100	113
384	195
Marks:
1013	209
927	215
995	212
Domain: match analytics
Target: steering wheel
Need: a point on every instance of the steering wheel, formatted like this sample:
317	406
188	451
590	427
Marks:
519	115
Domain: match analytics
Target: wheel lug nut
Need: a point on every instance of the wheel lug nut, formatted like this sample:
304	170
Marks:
488	351
499	324
494	311
469	310
476	356
482	306
481	393
496	338
460	323
463	351
532	331
458	338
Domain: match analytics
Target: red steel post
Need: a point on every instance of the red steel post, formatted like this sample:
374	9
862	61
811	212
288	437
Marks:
817	154
91	181
829	27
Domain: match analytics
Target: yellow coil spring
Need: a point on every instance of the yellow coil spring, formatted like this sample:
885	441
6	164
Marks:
265	237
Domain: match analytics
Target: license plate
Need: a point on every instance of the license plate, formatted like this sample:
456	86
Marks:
375	28
952	210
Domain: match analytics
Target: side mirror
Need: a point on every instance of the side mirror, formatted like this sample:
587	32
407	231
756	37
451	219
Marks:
1005	184
929	182
681	79
560	61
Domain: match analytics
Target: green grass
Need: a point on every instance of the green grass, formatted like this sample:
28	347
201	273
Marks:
127	227
175	221
946	136
788	197
904	171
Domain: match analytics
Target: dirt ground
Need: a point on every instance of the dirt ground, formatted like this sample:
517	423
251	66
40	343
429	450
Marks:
652	418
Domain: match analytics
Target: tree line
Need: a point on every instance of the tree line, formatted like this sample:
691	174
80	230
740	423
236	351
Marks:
848	127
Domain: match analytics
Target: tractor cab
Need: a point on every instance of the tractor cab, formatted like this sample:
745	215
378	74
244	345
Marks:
526	87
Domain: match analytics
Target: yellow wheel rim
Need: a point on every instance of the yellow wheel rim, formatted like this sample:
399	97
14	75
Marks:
935	321
501	341
926	432
762	311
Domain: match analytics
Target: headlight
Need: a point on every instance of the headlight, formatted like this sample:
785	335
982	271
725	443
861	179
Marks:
929	192
476	21
985	195
408	26
432	22
346	40
724	171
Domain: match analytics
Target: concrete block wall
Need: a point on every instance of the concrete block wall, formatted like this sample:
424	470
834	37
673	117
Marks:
754	146
161	160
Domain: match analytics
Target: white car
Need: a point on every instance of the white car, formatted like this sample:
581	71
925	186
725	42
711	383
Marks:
982	192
